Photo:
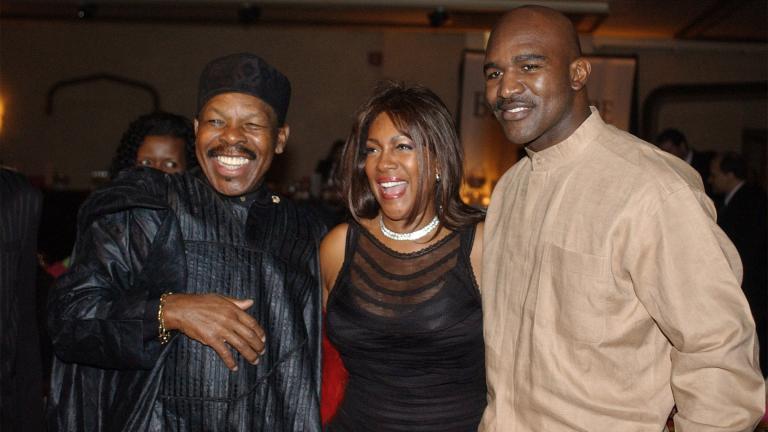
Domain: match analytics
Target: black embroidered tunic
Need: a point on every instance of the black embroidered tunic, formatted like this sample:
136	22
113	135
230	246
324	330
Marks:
149	233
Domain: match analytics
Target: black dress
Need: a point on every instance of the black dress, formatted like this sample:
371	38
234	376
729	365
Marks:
409	329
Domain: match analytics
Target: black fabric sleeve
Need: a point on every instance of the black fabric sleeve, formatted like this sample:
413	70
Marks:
150	317
98	311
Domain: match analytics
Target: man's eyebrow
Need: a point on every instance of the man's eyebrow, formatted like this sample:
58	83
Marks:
216	111
248	114
529	57
518	59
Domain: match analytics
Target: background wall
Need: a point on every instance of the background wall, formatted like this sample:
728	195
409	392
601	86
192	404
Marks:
712	122
328	67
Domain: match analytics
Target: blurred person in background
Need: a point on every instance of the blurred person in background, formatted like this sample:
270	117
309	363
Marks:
743	215
21	390
673	141
158	140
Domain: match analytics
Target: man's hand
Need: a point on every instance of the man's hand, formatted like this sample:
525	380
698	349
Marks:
216	321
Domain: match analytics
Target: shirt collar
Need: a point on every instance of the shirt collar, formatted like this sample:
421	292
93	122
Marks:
733	192
567	150
689	157
261	195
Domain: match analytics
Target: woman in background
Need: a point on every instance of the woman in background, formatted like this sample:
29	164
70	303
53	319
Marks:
401	280
159	140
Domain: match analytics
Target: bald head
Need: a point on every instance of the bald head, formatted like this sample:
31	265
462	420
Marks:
535	77
556	25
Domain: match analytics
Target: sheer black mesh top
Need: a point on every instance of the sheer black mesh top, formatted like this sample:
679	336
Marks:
409	329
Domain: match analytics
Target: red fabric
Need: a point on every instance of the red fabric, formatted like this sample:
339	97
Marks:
58	268
334	380
764	421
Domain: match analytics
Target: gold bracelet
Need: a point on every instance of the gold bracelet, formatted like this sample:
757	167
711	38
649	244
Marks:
163	333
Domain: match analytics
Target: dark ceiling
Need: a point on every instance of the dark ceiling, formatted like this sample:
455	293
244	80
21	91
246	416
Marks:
698	20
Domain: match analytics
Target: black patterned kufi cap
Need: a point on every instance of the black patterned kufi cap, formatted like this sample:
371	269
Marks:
245	73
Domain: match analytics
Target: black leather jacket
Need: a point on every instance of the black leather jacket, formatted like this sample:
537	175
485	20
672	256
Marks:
148	233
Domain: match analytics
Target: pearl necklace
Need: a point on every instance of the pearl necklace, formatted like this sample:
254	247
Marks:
415	235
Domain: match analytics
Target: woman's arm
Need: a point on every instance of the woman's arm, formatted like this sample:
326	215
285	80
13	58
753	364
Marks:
332	258
476	256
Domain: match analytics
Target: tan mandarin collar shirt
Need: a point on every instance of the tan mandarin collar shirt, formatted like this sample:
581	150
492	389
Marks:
610	294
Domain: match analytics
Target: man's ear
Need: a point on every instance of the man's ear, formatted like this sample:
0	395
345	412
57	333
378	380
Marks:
731	177
282	138
580	70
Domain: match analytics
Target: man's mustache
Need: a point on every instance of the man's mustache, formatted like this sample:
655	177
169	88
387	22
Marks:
501	103
231	150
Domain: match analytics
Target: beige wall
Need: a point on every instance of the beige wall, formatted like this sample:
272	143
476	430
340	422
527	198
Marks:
710	123
714	125
329	71
328	68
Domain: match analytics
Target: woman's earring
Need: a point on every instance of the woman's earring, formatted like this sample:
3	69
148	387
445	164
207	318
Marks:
437	177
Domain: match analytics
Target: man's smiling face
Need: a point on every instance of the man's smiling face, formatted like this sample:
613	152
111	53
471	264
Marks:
236	137
529	79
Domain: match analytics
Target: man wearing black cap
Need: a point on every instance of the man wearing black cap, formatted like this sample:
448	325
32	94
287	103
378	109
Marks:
193	301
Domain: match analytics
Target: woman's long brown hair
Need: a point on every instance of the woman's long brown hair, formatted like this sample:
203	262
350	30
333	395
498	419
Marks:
418	113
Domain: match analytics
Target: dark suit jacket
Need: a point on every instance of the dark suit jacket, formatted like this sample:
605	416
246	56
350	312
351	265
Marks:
20	370
744	219
700	163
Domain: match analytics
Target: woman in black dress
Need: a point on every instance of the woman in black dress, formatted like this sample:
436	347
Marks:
401	280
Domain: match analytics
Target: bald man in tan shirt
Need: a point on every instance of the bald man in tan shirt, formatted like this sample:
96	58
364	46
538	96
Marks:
609	292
